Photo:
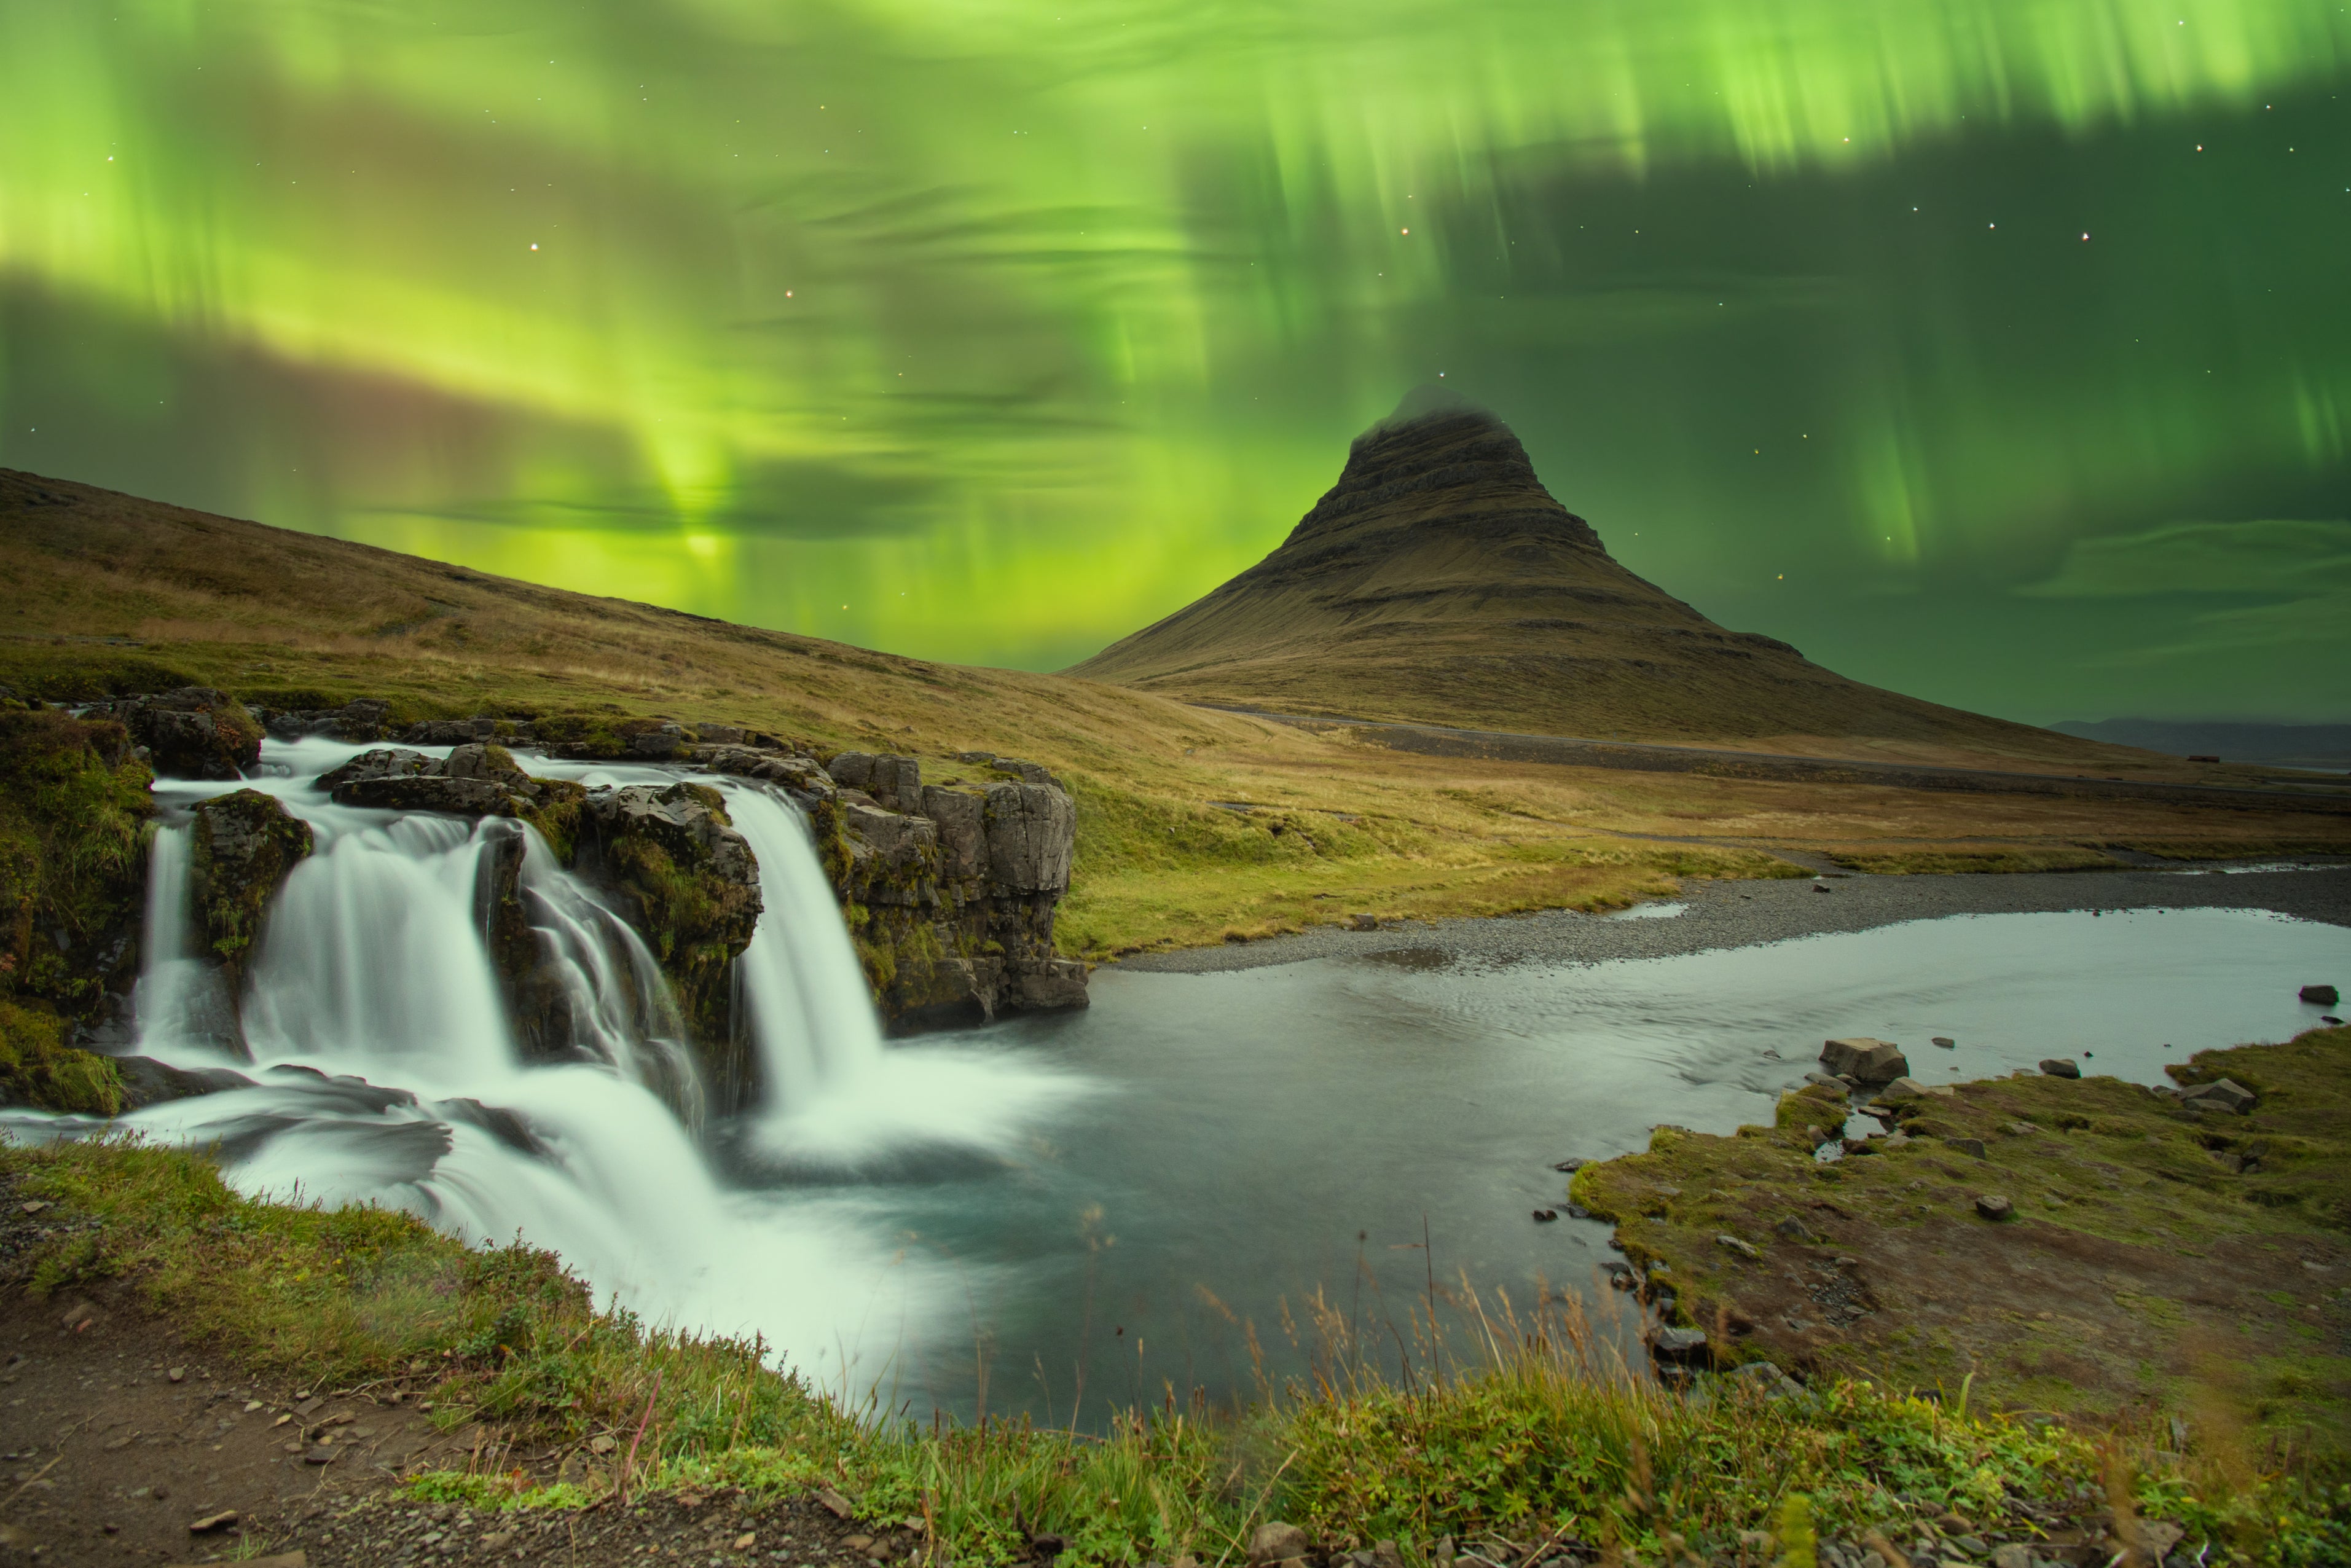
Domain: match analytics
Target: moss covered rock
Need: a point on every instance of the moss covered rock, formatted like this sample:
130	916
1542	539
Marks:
689	883
243	847
195	732
73	810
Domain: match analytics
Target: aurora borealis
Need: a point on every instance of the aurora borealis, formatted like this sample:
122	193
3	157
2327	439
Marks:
1997	350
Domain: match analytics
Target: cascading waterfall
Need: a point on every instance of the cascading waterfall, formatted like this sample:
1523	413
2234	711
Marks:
382	1068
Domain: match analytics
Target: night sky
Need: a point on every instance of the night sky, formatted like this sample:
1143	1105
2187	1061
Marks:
1996	350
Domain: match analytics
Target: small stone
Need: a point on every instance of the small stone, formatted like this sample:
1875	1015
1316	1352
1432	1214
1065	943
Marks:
496	1538
34	1208
1733	1244
1363	922
1576	1164
1545	1215
1276	1542
319	1454
2321	995
1971	1146
210	1522
1993	1206
1947	1042
2014	1554
834	1503
2061	1067
746	1541
178	1375
602	1443
251	1406
1678	1344
1793	1230
860	1543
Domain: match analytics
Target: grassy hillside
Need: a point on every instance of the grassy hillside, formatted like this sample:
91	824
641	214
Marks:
1194	825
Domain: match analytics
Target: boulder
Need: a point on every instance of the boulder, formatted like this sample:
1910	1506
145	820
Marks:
689	883
432	792
1683	1347
2322	996
1972	1148
2221	1094
2061	1067
195	732
385	762
1031	829
1868	1060
1276	1542
1768	1379
1993	1206
488	762
244	846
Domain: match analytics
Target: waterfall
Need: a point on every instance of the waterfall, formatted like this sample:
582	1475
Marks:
812	1019
384	1067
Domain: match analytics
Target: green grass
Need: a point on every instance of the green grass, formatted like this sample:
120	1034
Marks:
1944	860
1517	1429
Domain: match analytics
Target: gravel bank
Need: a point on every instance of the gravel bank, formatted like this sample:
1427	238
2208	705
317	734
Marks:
1740	914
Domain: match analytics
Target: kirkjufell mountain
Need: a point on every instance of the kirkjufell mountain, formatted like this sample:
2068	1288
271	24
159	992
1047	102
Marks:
1439	583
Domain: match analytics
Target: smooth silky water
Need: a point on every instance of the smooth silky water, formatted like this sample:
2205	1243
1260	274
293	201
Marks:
1079	1211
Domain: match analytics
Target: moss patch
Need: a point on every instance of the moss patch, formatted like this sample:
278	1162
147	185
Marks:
2153	1252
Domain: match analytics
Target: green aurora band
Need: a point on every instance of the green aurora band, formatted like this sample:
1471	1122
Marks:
1999	351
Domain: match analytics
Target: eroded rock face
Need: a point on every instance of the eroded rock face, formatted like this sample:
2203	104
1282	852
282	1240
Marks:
244	846
952	908
689	883
476	780
195	732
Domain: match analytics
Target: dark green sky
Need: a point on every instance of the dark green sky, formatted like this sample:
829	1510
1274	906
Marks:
977	331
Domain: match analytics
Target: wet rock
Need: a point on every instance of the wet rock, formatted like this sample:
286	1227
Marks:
1576	1163
489	763
1994	1207
244	846
689	883
2061	1067
2222	1095
1863	1058
383	762
1835	1085
195	732
450	731
2322	996
432	792
960	817
1946	1041
1276	1542
1545	1215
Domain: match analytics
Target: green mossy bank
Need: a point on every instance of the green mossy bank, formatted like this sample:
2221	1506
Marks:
1528	1440
2073	1247
74	814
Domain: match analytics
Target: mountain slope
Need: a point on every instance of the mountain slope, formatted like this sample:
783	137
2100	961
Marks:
1438	581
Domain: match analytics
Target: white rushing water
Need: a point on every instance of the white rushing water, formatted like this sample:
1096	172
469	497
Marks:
383	1069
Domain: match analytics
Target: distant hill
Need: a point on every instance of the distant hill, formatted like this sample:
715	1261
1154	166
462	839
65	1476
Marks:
2323	745
1438	581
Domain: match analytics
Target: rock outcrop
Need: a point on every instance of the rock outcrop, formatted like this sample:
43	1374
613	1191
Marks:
244	846
195	732
689	883
951	888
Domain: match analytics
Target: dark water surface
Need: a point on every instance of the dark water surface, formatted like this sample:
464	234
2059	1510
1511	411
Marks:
1246	1128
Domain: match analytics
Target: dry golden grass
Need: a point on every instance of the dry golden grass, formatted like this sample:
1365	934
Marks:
110	592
